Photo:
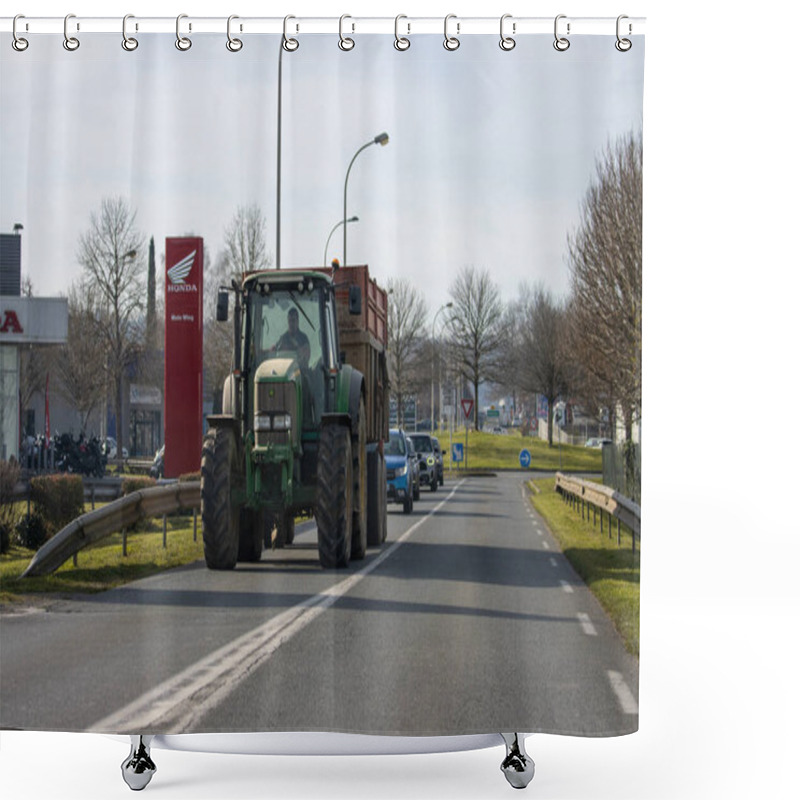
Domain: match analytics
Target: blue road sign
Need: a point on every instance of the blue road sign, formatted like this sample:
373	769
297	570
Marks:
525	458
458	452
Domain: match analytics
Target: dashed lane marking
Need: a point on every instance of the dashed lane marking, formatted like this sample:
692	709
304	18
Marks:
586	624
627	702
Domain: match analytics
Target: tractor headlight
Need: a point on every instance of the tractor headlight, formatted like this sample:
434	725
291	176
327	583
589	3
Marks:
262	422
281	422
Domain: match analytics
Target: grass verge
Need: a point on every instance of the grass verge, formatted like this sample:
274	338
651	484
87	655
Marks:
610	571
501	451
102	566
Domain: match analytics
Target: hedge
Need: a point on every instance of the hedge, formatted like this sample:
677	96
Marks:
58	499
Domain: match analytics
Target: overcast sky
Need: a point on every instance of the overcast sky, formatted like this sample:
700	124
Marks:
490	152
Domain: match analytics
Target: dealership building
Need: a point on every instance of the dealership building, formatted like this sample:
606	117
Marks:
24	321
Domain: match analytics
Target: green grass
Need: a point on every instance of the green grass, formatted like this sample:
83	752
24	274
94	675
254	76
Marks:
102	566
610	571
501	451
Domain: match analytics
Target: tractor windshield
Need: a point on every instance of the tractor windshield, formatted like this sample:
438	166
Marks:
285	323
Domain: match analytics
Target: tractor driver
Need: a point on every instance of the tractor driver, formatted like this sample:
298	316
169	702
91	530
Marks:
295	339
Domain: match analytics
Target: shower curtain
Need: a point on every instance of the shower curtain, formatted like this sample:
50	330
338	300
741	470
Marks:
495	194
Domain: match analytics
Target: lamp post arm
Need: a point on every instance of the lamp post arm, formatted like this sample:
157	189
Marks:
346	179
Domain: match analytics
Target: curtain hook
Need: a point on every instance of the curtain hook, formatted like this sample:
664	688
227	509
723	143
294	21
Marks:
182	42
400	42
345	43
623	45
70	42
128	42
289	44
18	43
561	43
234	45
451	42
507	42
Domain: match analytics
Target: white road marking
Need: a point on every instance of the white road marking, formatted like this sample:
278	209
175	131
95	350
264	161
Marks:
545	545
627	701
566	587
182	700
553	562
586	624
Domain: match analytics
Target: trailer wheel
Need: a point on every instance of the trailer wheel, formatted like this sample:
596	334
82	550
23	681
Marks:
220	518
376	499
359	547
334	505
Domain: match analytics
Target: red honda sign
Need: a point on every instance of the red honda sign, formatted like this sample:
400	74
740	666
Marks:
466	407
183	356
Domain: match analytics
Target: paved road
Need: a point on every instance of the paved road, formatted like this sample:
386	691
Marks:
468	620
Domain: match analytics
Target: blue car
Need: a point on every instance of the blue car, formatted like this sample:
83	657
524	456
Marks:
399	470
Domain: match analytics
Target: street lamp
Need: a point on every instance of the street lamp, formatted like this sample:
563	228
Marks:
340	222
382	139
433	339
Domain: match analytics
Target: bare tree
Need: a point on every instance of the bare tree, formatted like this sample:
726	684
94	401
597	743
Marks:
110	252
543	362
81	379
408	314
245	250
475	329
605	260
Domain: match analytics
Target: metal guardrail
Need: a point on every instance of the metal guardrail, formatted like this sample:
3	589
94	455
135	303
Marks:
601	498
117	515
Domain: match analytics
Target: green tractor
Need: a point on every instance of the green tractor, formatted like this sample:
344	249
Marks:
304	415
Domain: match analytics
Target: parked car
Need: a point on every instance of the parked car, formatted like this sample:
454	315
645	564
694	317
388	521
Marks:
110	448
423	446
157	467
437	454
399	470
415	464
598	443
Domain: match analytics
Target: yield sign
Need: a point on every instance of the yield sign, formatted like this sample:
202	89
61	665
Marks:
466	407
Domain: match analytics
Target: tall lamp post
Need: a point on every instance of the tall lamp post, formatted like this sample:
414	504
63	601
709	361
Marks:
382	139
340	222
433	340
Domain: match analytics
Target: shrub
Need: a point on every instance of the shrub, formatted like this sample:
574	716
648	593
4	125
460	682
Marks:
5	537
131	485
58	499
9	475
32	531
189	477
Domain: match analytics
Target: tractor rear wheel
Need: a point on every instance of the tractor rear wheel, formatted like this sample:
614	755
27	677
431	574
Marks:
334	501
284	528
251	535
220	517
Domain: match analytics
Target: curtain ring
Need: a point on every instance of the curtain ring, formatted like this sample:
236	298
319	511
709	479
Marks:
451	42
183	43
234	45
128	42
561	43
18	43
345	43
623	45
70	42
288	44
400	42
507	42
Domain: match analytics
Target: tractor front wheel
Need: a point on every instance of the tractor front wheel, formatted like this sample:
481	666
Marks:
334	501
220	517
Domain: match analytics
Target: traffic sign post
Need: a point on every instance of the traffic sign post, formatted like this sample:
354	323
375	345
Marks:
467	405
457	453
525	458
